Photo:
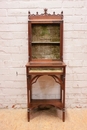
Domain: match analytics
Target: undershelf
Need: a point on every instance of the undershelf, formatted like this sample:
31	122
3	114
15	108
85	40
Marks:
38	102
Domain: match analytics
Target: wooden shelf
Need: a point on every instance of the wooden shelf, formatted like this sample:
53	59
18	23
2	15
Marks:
39	102
50	63
43	42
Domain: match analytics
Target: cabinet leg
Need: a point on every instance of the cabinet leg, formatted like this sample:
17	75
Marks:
63	115
28	115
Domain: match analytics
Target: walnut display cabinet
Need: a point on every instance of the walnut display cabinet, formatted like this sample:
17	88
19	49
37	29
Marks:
45	57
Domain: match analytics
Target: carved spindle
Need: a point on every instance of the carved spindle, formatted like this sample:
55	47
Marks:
53	13
45	11
29	13
61	12
36	13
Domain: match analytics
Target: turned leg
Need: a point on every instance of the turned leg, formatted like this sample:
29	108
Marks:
28	94
28	114
61	91
64	96
63	115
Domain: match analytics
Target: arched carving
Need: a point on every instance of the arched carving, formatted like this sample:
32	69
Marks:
35	78
56	78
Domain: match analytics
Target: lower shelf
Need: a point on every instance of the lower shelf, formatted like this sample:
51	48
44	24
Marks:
54	102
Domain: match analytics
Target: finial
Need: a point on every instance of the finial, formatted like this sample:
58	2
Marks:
61	12
45	11
36	13
29	13
53	13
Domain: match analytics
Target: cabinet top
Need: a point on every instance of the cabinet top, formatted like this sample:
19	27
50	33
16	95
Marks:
45	16
46	64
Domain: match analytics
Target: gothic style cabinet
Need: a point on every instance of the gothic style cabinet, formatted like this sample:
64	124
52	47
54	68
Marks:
45	56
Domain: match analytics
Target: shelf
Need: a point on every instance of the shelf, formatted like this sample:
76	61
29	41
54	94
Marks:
45	51
45	63
38	102
43	42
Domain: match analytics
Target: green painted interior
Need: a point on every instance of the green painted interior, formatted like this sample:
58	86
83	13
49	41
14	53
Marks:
45	41
45	51
45	33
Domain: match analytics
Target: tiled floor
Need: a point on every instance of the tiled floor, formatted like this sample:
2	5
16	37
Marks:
76	119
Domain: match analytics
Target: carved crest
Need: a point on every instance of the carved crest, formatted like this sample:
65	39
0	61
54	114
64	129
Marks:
45	14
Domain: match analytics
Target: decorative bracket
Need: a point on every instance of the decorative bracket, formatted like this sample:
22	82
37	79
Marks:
56	78
34	79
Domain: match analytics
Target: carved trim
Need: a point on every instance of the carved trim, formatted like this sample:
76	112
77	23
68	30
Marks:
46	14
34	79
56	78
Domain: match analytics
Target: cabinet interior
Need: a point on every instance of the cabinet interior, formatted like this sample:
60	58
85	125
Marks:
45	41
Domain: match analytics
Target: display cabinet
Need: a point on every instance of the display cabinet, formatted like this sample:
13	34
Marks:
45	56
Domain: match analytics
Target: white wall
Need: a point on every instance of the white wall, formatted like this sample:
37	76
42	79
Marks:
14	54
